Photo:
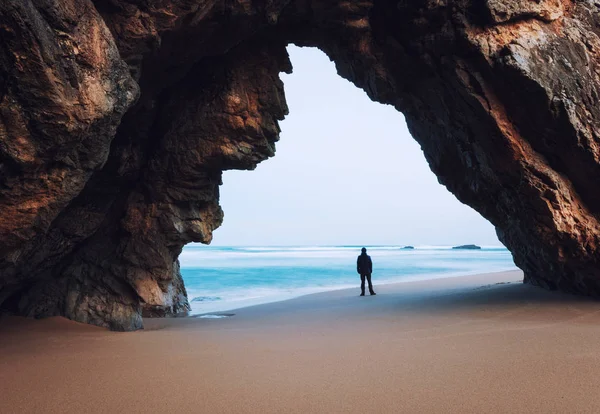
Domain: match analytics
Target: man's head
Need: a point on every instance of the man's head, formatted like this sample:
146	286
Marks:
363	250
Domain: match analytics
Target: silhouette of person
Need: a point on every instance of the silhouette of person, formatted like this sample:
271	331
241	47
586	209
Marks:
364	267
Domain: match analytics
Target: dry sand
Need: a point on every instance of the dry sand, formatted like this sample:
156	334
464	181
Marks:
460	345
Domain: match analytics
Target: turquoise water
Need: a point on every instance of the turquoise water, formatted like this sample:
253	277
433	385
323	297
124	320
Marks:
225	278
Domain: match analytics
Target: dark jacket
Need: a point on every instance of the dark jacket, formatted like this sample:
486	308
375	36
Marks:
364	265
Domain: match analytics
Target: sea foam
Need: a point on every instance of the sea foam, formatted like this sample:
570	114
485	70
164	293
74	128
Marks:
225	278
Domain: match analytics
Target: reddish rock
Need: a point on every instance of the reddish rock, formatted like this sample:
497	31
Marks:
117	118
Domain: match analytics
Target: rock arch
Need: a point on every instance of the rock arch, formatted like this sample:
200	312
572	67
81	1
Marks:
117	118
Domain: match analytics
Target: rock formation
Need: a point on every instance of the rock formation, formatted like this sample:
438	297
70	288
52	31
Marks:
467	247
117	118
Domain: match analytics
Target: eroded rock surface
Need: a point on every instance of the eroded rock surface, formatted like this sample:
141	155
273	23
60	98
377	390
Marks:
117	118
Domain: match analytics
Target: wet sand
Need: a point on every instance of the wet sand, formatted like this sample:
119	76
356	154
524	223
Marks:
472	344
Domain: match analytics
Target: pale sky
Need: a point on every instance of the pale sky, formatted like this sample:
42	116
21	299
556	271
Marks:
346	172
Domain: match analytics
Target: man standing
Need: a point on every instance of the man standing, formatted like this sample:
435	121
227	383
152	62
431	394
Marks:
364	266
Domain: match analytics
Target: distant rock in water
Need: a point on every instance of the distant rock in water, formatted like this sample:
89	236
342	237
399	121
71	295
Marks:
467	247
408	248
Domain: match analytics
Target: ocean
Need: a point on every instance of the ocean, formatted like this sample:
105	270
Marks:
225	278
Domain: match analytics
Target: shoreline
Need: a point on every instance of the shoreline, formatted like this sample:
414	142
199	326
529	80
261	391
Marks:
471	344
250	302
219	279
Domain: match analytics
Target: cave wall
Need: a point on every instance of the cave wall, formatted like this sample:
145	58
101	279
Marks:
117	118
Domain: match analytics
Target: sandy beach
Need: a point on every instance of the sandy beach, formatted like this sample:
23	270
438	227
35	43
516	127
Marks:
472	344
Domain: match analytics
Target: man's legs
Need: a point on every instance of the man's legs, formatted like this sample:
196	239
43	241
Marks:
371	291
362	285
